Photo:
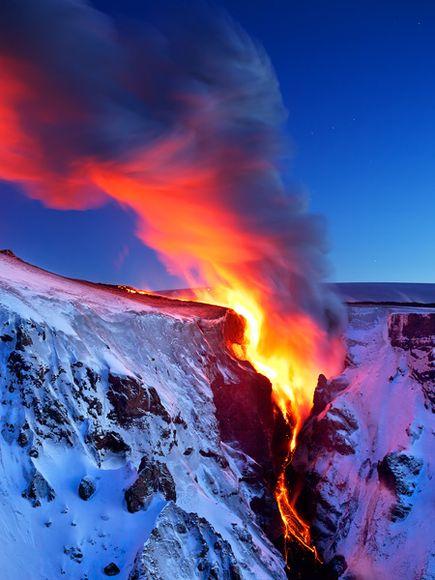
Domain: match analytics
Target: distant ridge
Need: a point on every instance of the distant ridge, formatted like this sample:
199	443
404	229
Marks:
417	294
393	293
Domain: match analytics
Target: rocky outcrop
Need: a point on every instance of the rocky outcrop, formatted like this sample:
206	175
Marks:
153	477
186	543
364	462
414	333
38	489
399	472
111	569
113	414
132	400
86	488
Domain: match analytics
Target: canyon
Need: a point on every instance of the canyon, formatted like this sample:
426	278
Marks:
134	443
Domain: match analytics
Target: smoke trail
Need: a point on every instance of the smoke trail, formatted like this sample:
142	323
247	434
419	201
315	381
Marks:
181	122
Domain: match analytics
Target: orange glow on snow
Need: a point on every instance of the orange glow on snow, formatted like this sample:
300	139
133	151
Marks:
183	216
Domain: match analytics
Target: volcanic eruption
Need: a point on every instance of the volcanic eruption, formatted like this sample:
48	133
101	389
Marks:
182	123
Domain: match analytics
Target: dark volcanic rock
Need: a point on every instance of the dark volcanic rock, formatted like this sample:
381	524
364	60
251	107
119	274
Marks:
208	556
153	477
244	405
86	488
334	430
220	459
38	489
399	472
335	568
412	329
109	441
23	439
415	333
18	366
23	339
132	400
74	552
244	410
111	569
326	391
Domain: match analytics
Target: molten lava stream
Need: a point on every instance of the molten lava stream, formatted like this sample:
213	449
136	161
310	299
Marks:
295	528
291	350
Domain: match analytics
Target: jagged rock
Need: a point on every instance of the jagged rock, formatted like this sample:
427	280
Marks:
132	400
38	489
111	569
244	408
364	458
18	366
326	391
412	330
153	477
415	334
22	439
109	441
95	391
74	552
86	488
23	339
334	431
220	459
399	472
186	543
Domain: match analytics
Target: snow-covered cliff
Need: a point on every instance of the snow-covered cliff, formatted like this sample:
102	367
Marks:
367	455
132	442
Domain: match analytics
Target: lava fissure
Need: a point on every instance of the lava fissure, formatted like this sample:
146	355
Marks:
291	372
186	132
295	528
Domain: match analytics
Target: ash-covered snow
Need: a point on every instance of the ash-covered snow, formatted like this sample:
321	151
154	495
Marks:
108	398
367	454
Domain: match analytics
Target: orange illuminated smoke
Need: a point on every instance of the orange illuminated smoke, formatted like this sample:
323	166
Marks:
207	197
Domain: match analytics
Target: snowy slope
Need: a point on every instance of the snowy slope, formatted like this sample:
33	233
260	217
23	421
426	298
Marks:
367	455
118	453
134	444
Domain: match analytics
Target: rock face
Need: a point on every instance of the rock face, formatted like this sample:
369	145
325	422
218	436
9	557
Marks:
133	442
187	546
365	459
153	477
86	488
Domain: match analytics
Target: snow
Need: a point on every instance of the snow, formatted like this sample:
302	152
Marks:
392	416
76	335
69	329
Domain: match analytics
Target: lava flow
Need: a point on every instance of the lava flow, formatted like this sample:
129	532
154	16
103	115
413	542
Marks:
182	129
289	351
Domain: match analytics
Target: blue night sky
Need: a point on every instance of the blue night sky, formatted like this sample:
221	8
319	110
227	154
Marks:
358	81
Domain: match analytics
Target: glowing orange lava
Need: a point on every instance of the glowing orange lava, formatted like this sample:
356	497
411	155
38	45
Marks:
191	190
289	350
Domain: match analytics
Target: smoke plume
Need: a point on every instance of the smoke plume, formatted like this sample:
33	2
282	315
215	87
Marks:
179	120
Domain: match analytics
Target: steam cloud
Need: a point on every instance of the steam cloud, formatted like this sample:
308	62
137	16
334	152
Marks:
180	121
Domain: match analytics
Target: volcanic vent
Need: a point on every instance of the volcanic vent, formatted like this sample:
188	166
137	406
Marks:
133	441
186	117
